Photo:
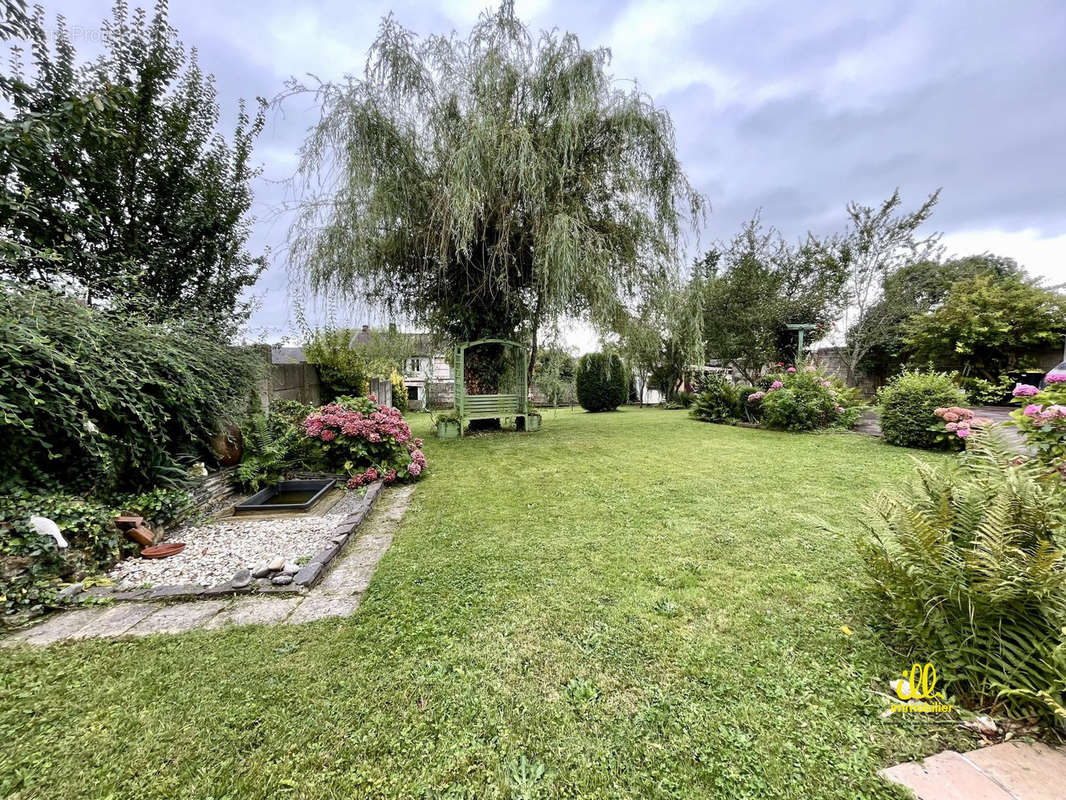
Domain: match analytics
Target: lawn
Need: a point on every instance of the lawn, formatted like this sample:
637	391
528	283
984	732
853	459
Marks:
631	604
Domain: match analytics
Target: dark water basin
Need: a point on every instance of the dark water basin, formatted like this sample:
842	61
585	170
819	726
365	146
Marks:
285	496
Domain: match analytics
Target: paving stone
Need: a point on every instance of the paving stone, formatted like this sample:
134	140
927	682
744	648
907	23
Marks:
116	620
178	618
227	588
176	591
254	611
309	574
325	555
946	776
133	594
60	626
1028	771
353	521
322	606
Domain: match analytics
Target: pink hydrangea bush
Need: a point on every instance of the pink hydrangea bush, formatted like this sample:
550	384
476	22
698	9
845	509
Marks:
366	440
807	399
960	422
1042	423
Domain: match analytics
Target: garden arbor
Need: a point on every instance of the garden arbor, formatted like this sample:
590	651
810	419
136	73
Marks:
491	381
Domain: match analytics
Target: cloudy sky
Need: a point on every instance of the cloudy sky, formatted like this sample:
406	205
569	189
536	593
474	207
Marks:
792	107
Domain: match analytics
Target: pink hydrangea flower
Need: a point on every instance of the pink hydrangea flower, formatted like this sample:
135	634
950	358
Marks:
962	433
840	409
1056	377
776	385
951	427
790	370
328	435
950	416
826	384
1033	409
755	397
1025	390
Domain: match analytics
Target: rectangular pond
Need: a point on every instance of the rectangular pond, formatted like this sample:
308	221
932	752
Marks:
286	496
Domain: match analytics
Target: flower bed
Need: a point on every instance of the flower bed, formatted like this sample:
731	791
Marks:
366	441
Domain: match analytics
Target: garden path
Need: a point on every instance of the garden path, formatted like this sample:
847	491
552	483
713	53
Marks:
336	595
1008	771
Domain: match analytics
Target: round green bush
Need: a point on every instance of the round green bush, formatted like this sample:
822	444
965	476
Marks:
907	404
601	382
717	402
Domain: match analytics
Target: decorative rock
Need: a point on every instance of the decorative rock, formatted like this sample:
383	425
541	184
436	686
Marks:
281	580
290	568
277	564
126	522
262	571
68	593
241	578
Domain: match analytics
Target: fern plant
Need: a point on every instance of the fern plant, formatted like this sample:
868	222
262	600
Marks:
274	444
969	566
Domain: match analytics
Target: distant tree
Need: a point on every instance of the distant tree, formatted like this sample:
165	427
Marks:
133	192
879	243
554	374
756	285
486	185
987	325
917	289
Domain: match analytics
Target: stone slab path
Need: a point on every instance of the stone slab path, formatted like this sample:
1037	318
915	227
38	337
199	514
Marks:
336	595
1008	771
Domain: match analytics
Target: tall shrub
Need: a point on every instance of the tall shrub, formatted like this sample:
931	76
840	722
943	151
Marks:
93	400
908	409
601	382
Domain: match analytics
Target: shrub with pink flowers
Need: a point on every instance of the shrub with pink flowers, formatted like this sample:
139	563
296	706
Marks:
366	440
1043	420
959	423
808	399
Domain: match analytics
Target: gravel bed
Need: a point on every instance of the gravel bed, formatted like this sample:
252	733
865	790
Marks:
214	552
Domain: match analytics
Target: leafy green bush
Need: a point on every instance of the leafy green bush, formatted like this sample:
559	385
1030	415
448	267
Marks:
980	392
601	382
92	400
342	370
32	566
969	569
717	402
807	399
685	399
908	403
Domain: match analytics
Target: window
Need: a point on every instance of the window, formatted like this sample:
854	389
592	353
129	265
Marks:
412	394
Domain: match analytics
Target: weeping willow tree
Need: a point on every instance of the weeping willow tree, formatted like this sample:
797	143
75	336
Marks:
486	186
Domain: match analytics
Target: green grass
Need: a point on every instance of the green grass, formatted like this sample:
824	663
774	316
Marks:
622	605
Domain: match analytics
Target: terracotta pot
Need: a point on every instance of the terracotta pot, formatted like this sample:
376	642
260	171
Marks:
228	446
163	550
